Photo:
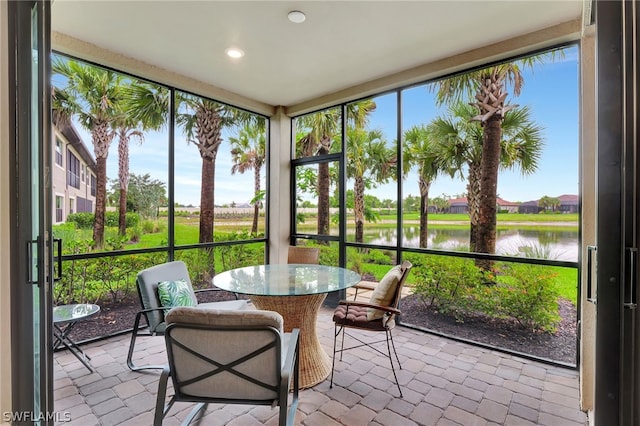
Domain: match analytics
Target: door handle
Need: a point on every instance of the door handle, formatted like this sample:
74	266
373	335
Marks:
630	302
31	245
590	251
58	259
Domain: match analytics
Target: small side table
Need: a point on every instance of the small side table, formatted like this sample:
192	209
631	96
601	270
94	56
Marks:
71	315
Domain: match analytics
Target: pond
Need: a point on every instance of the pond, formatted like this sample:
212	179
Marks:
543	244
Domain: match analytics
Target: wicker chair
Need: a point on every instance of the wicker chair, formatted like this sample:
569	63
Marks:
229	357
147	284
377	315
309	255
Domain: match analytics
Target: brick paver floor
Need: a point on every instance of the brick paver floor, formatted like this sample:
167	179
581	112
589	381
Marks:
444	383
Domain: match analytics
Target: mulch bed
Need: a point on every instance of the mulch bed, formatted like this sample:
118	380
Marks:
559	347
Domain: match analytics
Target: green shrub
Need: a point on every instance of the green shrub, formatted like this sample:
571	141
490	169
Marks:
528	294
379	257
85	220
148	227
448	284
82	220
134	234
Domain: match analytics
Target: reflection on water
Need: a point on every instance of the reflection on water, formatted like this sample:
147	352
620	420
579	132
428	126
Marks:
547	244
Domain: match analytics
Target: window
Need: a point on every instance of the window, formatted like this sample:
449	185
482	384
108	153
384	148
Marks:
82	168
72	203
93	185
73	170
59	208
59	152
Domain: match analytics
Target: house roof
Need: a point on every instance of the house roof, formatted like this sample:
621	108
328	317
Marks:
73	137
462	201
505	203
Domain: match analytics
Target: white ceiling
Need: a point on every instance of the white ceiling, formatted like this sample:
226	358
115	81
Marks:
341	43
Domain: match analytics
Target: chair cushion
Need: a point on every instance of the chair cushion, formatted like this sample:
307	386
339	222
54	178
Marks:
357	316
384	292
175	293
224	317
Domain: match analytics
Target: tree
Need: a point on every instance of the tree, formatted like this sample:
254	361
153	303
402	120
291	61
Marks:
549	203
441	203
369	161
93	95
460	141
410	203
421	152
144	106
125	130
248	152
146	195
490	88
202	121
322	130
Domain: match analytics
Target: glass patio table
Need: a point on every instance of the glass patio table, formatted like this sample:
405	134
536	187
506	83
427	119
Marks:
296	291
71	315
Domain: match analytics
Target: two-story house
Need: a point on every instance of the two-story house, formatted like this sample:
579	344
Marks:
73	174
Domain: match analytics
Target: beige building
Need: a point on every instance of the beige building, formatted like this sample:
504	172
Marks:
72	174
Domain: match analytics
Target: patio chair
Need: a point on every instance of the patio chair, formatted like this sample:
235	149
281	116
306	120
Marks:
298	254
377	315
147	282
229	357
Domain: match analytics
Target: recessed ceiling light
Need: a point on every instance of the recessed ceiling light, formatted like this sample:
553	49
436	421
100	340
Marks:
234	52
296	17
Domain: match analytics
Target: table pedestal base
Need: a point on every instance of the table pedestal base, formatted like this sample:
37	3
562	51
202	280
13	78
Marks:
301	312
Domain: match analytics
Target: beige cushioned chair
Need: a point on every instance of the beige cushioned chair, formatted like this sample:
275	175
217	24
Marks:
229	357
377	315
147	284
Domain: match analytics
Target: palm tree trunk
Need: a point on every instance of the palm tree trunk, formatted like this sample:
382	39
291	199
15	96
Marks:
101	137
489	183
424	211
122	212
101	202
323	199
256	205
324	184
123	177
207	200
358	208
473	204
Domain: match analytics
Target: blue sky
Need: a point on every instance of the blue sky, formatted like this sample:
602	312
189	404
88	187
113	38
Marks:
551	91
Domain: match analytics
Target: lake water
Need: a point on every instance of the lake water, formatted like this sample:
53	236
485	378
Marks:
552	245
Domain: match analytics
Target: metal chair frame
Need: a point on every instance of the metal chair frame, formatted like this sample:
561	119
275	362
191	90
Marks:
289	370
154	316
389	313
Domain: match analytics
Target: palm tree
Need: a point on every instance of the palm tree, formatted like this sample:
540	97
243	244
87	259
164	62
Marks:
203	120
144	106
323	127
93	95
322	132
249	153
460	144
126	128
369	161
420	151
489	87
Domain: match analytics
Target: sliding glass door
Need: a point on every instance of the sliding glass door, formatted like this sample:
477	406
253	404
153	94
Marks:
32	272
